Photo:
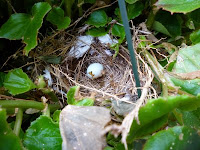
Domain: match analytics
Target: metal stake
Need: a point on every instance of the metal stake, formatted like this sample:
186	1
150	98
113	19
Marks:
122	7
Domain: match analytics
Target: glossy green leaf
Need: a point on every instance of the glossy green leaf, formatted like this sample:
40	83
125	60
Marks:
18	82
179	6
195	37
131	1
157	108
98	19
8	140
56	17
25	26
96	32
169	24
12	29
73	93
177	138
2	77
152	126
134	10
44	134
118	30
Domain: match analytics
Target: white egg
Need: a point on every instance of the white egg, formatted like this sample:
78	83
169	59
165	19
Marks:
95	70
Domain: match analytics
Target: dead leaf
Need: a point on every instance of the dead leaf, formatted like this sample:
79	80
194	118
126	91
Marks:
190	75
150	36
121	107
82	127
186	76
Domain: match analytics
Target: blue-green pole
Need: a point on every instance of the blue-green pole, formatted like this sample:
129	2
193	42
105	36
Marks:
122	7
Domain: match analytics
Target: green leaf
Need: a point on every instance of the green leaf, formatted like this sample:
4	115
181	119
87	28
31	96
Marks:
117	145
8	140
56	115
108	148
43	134
169	24
16	26
195	37
179	6
25	27
157	108
152	127
51	59
2	77
178	138
134	10
73	93
131	1
194	17
115	47
18	82
96	32
112	140
190	118
119	31
85	102
117	13
56	17
160	28
188	59
98	19
189	86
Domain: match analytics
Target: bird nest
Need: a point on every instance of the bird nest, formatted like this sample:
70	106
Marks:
117	80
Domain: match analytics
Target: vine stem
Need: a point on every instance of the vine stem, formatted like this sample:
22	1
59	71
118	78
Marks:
50	93
152	14
25	104
46	111
18	121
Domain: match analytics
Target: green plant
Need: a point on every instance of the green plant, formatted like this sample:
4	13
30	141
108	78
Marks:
171	121
26	26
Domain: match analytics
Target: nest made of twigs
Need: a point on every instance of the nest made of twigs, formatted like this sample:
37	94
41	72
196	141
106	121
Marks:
118	79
